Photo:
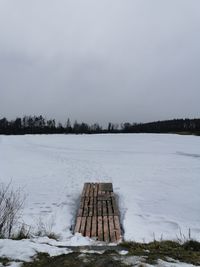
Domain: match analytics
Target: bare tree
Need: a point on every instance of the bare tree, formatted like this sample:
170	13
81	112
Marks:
11	203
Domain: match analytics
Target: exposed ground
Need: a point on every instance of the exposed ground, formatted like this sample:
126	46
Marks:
137	255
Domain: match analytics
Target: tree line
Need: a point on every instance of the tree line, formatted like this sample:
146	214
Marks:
41	125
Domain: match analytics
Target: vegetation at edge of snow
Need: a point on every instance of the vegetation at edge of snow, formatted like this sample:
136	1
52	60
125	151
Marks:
11	206
149	253
188	251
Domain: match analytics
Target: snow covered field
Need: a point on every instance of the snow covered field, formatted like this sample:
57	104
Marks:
157	179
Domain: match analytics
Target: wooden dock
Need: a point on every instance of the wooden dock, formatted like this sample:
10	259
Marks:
98	214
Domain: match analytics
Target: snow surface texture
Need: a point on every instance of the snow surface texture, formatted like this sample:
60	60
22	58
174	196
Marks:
156	178
24	250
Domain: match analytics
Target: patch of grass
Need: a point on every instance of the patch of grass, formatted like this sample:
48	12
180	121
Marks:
44	228
53	236
188	252
75	260
4	261
23	233
192	245
50	235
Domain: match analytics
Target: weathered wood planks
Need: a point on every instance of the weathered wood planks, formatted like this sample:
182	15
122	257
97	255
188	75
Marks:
98	214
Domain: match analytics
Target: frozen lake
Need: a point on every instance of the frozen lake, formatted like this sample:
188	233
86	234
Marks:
157	179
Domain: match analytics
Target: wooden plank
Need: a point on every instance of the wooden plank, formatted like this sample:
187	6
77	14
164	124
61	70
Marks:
88	226
100	228
86	208
91	193
99	193
105	229
104	197
114	205
82	202
117	228
106	187
112	229
83	225
91	206
99	208
96	190
84	189
95	212
94	227
110	209
78	225
80	210
104	208
87	193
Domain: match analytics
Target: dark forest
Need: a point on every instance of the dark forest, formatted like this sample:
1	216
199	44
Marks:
40	125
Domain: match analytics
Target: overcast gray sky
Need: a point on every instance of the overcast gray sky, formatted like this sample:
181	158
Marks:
128	60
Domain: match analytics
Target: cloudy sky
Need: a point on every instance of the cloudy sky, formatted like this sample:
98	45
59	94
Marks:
127	60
